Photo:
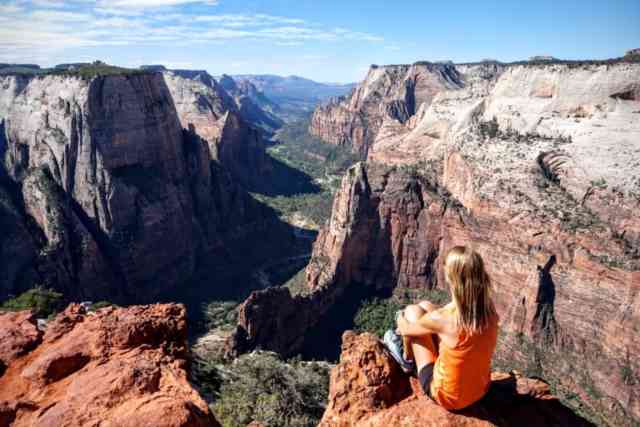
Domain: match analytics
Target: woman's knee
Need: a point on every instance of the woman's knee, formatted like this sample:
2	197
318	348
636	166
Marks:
413	312
427	306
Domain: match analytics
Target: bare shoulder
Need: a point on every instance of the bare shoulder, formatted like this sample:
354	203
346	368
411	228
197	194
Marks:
444	317
441	318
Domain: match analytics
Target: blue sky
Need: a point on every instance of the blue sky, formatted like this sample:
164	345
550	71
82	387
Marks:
326	40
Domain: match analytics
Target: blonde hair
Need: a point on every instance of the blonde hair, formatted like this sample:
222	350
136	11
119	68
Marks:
470	288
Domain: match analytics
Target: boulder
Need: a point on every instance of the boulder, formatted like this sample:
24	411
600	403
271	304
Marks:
119	366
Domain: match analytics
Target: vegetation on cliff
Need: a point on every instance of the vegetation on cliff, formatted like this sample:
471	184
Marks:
305	156
83	70
262	387
42	301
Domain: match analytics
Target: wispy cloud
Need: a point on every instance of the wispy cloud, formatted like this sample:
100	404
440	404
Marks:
146	4
39	26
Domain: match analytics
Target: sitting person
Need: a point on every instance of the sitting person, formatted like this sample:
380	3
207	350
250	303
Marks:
451	346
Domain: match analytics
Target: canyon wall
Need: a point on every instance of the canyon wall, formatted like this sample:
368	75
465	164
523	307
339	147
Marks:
229	122
536	167
388	92
106	196
122	366
253	104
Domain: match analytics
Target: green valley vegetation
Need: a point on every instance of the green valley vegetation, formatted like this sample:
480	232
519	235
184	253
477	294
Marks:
321	163
260	386
42	301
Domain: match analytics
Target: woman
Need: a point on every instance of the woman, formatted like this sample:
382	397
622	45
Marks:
451	346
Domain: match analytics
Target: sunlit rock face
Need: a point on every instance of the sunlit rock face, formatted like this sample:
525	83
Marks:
537	168
226	119
394	91
124	366
106	194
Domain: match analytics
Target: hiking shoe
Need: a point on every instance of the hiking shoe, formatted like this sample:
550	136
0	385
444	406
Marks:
393	343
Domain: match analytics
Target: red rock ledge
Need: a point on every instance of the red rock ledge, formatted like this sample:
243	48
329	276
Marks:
114	367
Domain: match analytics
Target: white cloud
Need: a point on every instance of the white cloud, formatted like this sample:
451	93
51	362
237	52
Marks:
148	4
57	16
49	3
116	12
10	9
39	27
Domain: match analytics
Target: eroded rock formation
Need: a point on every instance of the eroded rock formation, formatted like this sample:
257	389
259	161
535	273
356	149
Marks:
537	168
104	194
394	91
369	389
226	119
123	366
252	104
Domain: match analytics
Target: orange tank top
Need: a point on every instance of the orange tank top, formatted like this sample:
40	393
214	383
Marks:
462	374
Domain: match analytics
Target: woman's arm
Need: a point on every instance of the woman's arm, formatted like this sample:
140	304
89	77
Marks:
430	323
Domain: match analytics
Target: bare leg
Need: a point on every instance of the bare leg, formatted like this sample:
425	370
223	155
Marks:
423	349
428	306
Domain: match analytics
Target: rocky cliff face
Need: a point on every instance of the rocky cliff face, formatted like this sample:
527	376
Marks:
253	104
394	91
103	191
125	366
227	120
369	389
527	168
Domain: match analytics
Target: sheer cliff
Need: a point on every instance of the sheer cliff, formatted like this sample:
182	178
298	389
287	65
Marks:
229	123
394	91
536	166
105	195
253	104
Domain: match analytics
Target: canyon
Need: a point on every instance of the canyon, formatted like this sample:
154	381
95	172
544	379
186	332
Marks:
123	185
137	185
536	166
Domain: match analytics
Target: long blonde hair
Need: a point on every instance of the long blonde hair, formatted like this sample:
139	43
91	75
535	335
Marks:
470	288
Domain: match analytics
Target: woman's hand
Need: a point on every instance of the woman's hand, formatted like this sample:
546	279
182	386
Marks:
402	325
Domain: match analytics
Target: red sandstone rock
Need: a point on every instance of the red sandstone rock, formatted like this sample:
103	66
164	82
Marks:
369	389
18	335
117	366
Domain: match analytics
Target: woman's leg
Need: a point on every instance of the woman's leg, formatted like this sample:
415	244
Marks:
427	307
423	349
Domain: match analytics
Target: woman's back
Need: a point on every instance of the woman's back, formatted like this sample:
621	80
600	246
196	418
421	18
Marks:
462	372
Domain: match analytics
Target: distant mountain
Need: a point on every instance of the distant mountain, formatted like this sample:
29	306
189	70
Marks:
295	95
253	104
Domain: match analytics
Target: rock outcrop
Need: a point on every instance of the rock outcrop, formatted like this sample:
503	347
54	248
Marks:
394	91
227	120
536	168
122	366
105	195
369	389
